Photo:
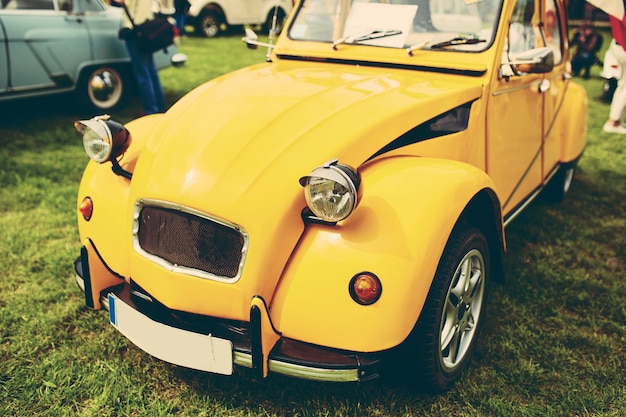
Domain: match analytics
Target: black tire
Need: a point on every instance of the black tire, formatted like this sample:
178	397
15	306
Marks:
560	183
280	21
210	23
442	343
103	88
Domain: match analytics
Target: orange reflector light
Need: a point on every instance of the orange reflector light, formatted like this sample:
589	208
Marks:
365	288
86	208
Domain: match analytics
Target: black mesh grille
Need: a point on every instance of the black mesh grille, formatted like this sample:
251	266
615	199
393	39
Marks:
184	239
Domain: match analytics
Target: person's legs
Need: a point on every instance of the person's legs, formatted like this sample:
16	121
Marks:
157	89
619	98
145	74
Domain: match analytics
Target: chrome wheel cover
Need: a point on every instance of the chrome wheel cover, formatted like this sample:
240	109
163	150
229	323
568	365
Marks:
104	88
462	310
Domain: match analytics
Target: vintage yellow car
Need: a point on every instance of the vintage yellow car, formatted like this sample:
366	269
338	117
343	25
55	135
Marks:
337	211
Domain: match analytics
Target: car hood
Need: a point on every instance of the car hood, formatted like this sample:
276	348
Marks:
236	146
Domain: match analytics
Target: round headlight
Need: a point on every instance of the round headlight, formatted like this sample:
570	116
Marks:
103	139
332	191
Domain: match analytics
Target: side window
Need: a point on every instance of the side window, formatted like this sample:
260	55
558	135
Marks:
552	30
522	33
65	5
30	5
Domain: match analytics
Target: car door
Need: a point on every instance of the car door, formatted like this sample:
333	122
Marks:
45	44
239	12
515	114
555	84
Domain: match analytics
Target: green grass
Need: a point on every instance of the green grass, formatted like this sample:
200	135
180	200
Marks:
554	343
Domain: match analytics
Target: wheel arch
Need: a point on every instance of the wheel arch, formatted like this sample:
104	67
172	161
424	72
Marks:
483	212
397	236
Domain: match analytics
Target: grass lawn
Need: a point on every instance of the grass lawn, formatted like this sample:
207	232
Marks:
554	343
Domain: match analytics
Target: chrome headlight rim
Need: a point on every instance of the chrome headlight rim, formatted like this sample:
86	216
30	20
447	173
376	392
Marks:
103	139
334	173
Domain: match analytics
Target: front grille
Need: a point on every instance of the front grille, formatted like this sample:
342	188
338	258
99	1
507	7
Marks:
188	241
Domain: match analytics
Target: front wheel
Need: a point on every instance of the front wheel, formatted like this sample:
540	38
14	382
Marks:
102	88
443	340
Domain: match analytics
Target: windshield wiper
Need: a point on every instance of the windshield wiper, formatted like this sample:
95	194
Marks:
457	41
374	34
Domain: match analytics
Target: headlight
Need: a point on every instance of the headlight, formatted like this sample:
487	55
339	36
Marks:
103	139
332	191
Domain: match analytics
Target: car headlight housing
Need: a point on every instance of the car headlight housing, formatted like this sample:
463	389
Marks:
104	140
332	191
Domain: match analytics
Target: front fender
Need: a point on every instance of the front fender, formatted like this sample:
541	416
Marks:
107	232
408	210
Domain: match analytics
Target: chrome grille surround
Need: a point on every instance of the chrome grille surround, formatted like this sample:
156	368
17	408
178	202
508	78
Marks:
194	223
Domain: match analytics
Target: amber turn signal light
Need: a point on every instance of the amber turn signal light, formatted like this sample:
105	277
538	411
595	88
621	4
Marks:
86	208
365	288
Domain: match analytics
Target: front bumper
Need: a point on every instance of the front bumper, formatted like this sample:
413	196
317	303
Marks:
169	335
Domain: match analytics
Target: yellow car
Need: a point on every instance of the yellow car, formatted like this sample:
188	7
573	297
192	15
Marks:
337	211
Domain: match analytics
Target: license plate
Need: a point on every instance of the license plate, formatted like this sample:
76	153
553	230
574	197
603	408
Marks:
180	347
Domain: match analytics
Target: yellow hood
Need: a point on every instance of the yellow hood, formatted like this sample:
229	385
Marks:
236	146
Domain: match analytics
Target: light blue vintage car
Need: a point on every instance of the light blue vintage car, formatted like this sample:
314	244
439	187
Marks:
55	46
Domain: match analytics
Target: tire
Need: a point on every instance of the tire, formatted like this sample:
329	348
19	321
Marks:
102	88
442	343
210	23
280	21
560	184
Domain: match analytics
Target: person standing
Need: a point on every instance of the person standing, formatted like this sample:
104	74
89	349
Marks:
181	7
144	68
618	103
588	42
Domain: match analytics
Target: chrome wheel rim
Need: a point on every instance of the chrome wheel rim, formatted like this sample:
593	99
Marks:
105	88
462	310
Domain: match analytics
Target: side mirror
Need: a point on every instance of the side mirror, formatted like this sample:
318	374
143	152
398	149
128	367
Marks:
534	61
251	40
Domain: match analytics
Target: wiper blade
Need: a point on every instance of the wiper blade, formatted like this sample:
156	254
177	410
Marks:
457	41
374	34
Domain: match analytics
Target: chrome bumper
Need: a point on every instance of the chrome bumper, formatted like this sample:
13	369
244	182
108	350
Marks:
289	357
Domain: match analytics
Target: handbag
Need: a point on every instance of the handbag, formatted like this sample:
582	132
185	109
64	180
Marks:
153	34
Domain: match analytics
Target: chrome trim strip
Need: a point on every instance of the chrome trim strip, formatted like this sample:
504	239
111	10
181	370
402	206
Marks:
521	208
139	204
301	371
314	374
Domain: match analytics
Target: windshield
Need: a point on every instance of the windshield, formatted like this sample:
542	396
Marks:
460	25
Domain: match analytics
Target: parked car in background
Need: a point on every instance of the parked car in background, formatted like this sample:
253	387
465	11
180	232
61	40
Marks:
213	17
337	211
61	46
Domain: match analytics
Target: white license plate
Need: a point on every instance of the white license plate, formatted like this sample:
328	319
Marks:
177	346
